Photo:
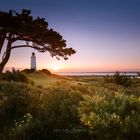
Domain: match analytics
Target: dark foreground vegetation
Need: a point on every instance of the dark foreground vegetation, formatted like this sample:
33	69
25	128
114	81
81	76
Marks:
91	108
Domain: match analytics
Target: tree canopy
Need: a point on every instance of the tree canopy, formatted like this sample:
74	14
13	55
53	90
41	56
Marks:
33	32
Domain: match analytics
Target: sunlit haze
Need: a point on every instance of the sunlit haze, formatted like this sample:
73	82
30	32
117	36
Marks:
104	33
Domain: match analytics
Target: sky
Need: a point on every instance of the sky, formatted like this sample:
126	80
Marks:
104	33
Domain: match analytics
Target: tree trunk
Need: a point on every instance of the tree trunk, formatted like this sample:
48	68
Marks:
1	68
6	56
2	38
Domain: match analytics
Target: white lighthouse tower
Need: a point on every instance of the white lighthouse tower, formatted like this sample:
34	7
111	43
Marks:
33	61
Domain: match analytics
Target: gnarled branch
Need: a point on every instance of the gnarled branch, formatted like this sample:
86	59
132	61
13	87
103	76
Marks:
30	46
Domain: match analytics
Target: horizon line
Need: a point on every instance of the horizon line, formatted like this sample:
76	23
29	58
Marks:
74	71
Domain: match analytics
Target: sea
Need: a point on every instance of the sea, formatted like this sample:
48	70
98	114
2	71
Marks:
96	73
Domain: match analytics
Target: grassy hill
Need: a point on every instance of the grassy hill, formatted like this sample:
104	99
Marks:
43	79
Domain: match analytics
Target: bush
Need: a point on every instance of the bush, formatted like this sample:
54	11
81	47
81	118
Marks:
59	107
16	100
14	75
111	116
138	73
46	71
29	112
27	71
17	76
101	110
122	80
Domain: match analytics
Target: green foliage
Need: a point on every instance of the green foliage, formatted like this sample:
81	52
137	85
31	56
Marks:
16	75
27	71
46	71
16	99
66	110
59	106
21	125
108	79
122	79
50	109
111	116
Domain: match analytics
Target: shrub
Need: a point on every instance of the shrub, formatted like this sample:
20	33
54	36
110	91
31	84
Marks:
122	80
16	100
46	71
106	110
138	73
50	109
59	107
27	71
108	79
17	76
111	116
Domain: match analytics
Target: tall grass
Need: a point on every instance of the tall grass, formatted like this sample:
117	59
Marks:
96	110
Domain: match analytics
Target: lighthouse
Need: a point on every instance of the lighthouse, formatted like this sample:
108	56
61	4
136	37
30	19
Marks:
33	61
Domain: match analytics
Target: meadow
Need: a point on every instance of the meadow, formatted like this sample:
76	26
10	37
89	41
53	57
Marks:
41	106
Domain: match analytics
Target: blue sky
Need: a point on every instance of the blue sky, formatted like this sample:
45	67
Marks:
105	33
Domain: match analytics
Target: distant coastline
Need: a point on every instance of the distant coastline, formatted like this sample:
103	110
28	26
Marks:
94	73
130	73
